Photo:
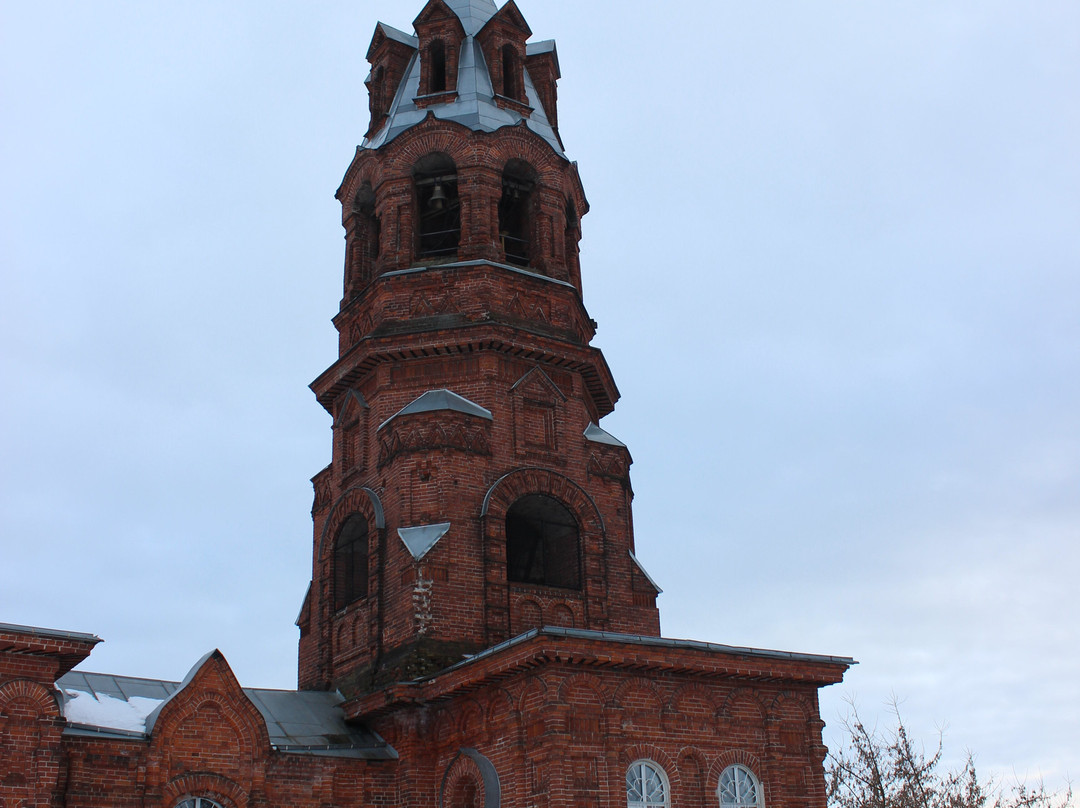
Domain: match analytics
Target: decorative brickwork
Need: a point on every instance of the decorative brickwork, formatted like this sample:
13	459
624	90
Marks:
477	630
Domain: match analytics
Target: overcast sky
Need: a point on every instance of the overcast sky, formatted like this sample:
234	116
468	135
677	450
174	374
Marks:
833	251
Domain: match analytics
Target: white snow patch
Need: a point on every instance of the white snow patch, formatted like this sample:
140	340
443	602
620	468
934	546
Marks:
105	711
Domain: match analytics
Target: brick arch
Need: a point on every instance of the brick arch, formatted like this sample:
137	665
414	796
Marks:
583	683
741	757
533	696
659	756
33	695
621	697
693	771
470	721
431	135
220	789
243	719
469	768
742	696
789	705
359	499
513	485
693	708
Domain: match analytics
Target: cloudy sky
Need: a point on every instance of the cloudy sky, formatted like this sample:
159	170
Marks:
833	251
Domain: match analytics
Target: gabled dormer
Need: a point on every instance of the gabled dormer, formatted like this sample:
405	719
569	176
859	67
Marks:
502	40
390	52
440	35
542	64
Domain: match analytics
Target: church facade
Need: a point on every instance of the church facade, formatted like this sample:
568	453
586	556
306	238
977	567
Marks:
478	630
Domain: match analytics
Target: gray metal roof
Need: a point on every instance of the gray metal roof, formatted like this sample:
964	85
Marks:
50	633
598	435
637	639
473	14
434	400
474	105
399	36
418	540
297	721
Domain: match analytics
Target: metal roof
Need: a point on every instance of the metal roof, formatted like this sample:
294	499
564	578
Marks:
473	14
637	639
472	106
297	721
420	539
596	434
434	400
49	633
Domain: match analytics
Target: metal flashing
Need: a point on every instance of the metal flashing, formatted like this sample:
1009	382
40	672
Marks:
645	572
435	400
419	540
636	639
399	36
297	721
49	633
597	435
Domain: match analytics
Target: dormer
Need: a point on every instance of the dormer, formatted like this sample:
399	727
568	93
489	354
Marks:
502	40
440	35
542	62
390	52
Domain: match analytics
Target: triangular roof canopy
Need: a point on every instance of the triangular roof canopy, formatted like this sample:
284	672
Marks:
473	14
511	14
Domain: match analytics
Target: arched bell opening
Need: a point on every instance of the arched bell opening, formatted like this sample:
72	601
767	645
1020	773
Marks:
362	241
438	213
543	543
515	212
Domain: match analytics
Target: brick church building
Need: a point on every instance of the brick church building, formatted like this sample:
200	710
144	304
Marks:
477	631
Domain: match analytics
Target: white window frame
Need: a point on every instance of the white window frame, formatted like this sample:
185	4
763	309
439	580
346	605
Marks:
197	802
645	802
740	800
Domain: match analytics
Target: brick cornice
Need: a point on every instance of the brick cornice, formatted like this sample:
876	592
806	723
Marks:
598	650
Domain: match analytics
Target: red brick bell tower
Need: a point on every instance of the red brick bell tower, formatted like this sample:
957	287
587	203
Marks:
471	495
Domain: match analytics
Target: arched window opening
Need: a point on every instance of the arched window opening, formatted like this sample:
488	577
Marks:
362	247
439	209
514	208
646	786
351	562
437	76
197	802
739	788
377	94
510	73
542	543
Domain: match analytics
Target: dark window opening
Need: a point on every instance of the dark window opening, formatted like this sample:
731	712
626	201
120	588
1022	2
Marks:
510	72
376	94
542	545
351	562
437	55
438	207
362	245
514	219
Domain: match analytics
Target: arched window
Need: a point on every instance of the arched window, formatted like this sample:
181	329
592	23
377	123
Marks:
646	786
351	561
437	74
510	71
739	788
514	209
438	207
542	545
362	241
197	802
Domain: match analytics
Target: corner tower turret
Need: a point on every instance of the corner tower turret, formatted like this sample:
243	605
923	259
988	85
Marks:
471	495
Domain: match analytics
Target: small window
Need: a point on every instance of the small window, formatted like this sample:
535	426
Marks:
739	788
510	73
542	545
351	562
197	802
437	54
646	786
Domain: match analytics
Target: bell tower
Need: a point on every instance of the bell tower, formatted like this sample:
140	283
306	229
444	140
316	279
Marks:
471	494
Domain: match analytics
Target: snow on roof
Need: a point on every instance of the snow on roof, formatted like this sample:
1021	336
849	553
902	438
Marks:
108	712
